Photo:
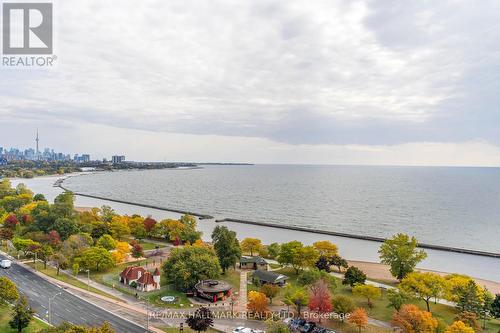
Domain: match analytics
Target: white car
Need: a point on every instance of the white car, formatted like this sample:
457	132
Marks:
238	329
5	263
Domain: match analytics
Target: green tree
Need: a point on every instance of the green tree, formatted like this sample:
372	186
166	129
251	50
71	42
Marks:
495	306
323	264
297	255
186	266
45	253
23	314
339	262
65	227
96	259
367	291
119	227
401	254
107	242
226	246
342	305
354	276
276	327
424	286
273	250
8	291
61	261
397	298
296	296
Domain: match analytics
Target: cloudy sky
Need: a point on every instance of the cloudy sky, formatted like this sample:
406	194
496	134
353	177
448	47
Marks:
357	82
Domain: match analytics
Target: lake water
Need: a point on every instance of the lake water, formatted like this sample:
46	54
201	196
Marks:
458	207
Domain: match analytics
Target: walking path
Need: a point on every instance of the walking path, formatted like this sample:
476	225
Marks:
242	295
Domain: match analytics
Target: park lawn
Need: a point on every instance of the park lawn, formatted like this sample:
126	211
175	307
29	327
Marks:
146	246
5	316
232	277
52	272
110	278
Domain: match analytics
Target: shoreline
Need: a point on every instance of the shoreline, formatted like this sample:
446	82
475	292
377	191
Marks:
361	237
381	272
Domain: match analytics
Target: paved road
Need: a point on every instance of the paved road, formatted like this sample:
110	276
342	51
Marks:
64	307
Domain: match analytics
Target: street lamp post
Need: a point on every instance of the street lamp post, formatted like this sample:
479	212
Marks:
50	301
147	313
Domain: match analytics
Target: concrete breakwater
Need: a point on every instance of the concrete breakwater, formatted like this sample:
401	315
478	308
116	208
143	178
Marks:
199	215
361	237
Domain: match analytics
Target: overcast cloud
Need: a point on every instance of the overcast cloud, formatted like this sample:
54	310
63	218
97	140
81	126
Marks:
369	82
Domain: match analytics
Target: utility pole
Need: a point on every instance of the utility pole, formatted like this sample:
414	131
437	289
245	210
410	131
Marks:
50	301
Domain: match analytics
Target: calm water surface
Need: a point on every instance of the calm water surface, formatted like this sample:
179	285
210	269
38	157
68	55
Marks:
457	207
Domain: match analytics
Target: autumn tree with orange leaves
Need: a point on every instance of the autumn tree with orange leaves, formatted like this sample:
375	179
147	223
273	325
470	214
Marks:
257	303
413	320
359	318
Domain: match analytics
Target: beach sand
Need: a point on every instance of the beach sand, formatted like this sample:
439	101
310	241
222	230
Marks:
381	272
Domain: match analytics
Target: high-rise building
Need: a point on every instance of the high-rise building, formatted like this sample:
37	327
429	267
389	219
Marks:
117	159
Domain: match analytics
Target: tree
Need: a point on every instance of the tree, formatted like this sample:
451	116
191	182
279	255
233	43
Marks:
276	327
353	276
119	227
359	318
309	277
186	266
367	291
486	307
139	231
413	320
298	256
10	221
23	315
61	261
70	328
424	286
149	224
189	233
201	320
107	242
326	249
273	250
397	298
342	305
459	327
270	290
257	303
401	254
54	239
96	258
45	253
320	299
470	319
251	245
8	291
339	262
39	197
469	297
296	296
121	252
226	246
495	306
323	264
137	251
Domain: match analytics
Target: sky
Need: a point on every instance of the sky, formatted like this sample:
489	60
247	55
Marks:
309	82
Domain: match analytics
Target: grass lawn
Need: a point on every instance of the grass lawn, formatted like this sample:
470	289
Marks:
380	309
52	272
349	328
5	316
233	278
110	279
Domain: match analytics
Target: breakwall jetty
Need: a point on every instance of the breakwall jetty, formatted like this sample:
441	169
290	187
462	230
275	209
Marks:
199	215
361	237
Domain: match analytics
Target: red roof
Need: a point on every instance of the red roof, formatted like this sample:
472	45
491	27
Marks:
132	272
156	272
147	279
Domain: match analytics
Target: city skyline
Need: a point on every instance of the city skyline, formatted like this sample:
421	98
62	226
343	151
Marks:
334	82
